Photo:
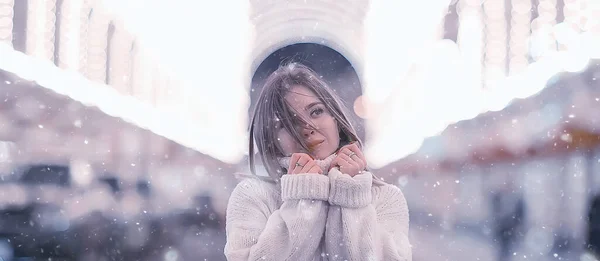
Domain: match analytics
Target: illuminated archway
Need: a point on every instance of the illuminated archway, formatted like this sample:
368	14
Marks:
344	47
337	25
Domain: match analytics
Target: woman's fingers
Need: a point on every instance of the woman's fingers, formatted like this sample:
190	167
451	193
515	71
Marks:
293	160
312	167
339	162
334	163
306	167
350	165
350	161
316	169
301	163
353	157
354	148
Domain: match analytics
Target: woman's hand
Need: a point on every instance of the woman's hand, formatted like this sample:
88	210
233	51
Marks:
350	160
303	163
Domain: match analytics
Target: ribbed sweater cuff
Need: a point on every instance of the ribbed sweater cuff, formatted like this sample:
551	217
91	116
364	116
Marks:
350	192
304	186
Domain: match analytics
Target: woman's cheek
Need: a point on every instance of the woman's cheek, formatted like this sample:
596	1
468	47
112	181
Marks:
287	143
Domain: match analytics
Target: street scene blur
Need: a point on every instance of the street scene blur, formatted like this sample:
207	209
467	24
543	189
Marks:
123	131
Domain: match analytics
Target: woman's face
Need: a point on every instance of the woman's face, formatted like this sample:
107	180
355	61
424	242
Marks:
321	143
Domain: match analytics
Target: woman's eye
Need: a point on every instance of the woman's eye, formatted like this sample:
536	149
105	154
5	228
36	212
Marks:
317	112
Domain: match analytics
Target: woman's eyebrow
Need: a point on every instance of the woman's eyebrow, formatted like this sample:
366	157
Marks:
312	104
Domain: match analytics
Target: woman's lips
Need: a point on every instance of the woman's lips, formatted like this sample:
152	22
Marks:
313	145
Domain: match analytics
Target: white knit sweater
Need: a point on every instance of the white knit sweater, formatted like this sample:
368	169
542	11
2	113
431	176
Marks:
317	217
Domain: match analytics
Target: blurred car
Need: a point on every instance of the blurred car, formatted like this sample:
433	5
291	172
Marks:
32	221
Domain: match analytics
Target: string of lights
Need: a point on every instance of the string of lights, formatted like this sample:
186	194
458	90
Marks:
542	30
6	21
41	20
520	31
97	45
69	40
566	32
84	22
495	33
572	13
142	76
470	37
161	90
587	19
590	20
120	60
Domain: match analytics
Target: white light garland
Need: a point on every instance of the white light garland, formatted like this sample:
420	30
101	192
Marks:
523	82
495	42
543	41
97	44
567	31
389	56
142	76
390	68
41	19
6	20
590	21
519	35
572	13
163	95
70	34
84	23
471	39
120	59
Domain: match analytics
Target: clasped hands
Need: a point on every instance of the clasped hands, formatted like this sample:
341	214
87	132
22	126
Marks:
349	159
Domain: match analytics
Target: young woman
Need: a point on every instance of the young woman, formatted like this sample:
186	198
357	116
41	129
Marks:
320	202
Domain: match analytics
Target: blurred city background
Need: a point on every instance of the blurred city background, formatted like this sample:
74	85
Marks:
122	123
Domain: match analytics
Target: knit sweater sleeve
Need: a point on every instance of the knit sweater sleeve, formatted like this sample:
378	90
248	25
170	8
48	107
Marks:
256	231
366	222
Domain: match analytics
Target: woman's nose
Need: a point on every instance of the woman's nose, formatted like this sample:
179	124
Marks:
308	132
